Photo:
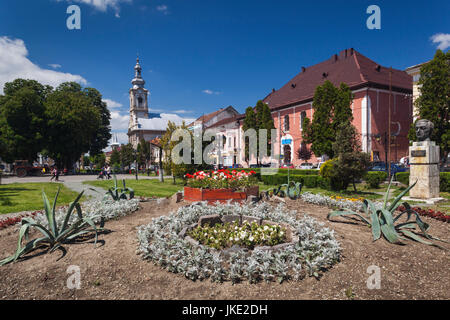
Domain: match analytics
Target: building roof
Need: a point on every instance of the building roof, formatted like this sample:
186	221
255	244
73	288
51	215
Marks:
160	123
227	120
206	117
350	67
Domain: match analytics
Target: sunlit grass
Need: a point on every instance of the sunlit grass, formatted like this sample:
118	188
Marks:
17	197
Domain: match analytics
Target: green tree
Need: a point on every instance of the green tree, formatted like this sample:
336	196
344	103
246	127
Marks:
259	117
126	155
332	107
100	138
434	100
99	160
351	164
143	150
249	123
22	120
115	157
72	122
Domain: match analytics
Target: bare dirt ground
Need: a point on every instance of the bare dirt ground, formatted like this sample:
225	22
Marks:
114	270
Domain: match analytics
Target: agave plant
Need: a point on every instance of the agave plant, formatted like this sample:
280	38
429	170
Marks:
292	190
54	236
119	193
385	222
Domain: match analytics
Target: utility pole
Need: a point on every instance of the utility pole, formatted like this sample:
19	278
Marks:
388	164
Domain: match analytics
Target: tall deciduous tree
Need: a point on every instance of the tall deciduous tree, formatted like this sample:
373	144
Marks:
22	120
434	100
332	107
72	122
102	135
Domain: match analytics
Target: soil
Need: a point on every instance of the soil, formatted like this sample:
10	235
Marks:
113	270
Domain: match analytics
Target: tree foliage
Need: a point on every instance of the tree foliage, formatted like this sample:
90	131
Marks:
126	155
259	117
22	120
434	100
332	107
66	122
351	164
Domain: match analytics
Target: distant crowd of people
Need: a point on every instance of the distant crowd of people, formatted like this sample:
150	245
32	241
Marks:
105	172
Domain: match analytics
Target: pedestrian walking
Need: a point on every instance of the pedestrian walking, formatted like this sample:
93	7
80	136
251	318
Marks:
53	174
108	172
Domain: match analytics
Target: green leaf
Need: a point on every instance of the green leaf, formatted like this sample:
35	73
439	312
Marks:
346	213
48	213
394	205
69	211
55	227
386	196
376	228
413	236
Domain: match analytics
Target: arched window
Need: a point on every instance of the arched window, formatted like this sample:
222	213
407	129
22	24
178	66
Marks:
140	100
286	122
302	118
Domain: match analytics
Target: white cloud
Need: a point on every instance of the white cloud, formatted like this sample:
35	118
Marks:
112	104
15	64
182	111
443	39
163	8
55	65
119	121
103	5
207	91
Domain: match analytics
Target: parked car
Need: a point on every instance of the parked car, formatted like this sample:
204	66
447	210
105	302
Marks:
306	166
394	168
287	165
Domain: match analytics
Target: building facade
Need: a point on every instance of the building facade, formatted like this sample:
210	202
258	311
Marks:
370	84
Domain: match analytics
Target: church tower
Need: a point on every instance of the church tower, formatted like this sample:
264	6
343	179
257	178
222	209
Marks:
138	96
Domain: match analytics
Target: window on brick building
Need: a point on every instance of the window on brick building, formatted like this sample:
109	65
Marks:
286	122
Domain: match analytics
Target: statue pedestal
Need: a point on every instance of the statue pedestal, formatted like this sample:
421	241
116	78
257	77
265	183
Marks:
424	161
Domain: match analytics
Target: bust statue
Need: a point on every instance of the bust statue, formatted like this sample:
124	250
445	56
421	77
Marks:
424	128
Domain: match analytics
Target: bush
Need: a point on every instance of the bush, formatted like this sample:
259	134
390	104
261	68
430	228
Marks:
329	173
374	179
444	180
402	177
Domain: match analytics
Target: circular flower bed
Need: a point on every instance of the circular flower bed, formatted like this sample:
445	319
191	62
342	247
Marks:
247	235
315	251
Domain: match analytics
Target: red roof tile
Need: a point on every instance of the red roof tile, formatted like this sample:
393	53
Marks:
350	67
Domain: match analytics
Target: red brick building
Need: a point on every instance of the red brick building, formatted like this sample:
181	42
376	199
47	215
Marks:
369	82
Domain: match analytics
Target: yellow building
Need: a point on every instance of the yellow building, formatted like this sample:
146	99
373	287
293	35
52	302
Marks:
414	71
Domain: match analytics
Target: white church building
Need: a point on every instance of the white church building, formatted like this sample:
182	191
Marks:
143	125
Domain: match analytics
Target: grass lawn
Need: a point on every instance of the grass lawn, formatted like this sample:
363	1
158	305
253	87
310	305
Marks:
144	188
17	197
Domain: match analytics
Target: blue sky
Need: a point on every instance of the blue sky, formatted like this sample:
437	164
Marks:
198	56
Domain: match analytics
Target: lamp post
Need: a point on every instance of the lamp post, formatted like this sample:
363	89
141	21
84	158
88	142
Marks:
135	164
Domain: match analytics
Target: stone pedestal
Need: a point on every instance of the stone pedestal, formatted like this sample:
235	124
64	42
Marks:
424	161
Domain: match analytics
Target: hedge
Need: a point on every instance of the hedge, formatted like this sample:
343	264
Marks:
309	181
444	180
374	178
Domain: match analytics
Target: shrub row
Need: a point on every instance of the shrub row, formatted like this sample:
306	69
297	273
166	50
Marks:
444	180
309	181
